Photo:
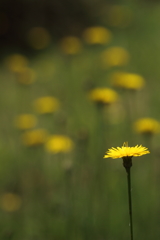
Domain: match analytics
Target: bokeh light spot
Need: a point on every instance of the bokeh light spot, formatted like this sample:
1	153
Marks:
38	38
10	202
97	35
16	62
70	45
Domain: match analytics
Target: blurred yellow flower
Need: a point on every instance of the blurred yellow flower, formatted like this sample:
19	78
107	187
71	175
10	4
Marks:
46	105
147	125
16	62
128	80
114	56
97	35
119	16
35	137
59	143
26	76
10	202
126	152
70	45
103	95
25	121
38	38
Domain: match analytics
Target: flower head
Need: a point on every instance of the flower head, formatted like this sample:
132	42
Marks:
25	121
59	143
103	95
114	56
125	151
38	38
16	62
70	45
26	76
10	202
97	35
45	105
35	137
147	126
126	80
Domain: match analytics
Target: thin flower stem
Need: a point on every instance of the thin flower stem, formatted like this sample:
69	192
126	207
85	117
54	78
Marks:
130	201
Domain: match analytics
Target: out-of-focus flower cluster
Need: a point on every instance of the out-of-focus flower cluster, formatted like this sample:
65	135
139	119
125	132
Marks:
32	136
19	65
10	202
147	126
127	80
97	35
46	105
103	95
114	56
59	143
110	58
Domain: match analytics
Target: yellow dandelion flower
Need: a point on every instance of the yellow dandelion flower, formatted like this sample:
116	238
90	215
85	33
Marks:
10	202
59	143
25	121
16	62
97	35
70	45
128	80
103	95
26	76
126	152
46	105
38	38
147	126
35	137
114	56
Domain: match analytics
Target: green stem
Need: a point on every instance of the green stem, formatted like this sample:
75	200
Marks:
127	163
130	201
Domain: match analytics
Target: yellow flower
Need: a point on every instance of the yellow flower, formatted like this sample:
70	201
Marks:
114	56
70	45
126	152
25	121
128	80
59	143
38	38
26	76
97	35
45	105
16	62
103	95
10	202
147	125
35	137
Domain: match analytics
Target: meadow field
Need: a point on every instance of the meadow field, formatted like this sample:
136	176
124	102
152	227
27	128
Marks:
62	108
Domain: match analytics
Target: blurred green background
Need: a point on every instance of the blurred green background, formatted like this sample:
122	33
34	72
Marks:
54	181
